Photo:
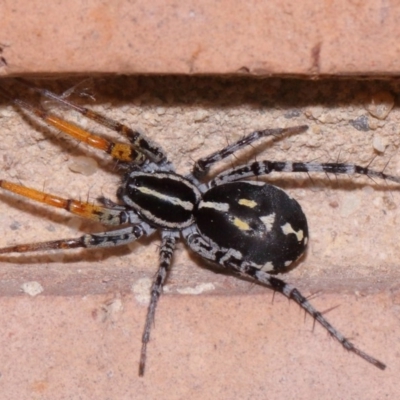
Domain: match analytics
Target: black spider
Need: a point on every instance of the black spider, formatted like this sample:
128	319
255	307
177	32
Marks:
247	226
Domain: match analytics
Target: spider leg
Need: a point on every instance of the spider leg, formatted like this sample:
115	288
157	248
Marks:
292	293
202	166
166	253
113	238
137	139
104	215
265	167
120	151
232	259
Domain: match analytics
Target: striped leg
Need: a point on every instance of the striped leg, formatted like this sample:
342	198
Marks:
114	238
138	140
166	253
266	167
105	215
292	293
202	166
232	259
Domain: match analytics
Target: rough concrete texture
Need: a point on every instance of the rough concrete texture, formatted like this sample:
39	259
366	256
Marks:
215	336
230	37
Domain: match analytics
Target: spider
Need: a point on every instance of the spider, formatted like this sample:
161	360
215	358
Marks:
246	226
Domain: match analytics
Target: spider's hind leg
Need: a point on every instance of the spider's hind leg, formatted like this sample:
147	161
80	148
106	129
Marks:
232	260
292	293
166	252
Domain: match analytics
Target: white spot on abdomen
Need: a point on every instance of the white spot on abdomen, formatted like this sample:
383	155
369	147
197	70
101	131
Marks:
268	221
242	225
288	229
247	203
267	267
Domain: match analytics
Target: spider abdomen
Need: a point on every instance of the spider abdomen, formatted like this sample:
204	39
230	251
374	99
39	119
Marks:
260	221
163	199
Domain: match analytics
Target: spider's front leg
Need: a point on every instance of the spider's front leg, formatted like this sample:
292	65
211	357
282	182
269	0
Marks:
111	216
143	147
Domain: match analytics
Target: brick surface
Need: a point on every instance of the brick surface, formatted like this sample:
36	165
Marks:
80	337
204	37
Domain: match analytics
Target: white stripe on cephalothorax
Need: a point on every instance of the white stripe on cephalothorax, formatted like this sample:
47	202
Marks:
176	201
216	206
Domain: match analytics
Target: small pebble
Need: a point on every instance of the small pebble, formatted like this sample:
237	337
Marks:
380	105
83	165
32	288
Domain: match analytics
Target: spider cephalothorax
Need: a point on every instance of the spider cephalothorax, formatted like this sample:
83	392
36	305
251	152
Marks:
250	227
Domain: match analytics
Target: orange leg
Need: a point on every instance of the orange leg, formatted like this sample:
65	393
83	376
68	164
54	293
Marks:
137	139
43	246
120	151
107	216
104	215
